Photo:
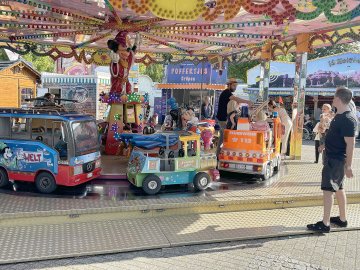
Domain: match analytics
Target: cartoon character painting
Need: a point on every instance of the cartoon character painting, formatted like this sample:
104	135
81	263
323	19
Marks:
17	159
136	162
7	157
122	57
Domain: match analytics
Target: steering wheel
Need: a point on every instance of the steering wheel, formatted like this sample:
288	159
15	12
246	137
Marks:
39	138
171	154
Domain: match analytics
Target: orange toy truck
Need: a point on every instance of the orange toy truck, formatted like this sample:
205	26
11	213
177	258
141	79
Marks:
248	151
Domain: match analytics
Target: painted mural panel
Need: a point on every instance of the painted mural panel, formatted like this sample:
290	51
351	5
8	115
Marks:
323	74
27	156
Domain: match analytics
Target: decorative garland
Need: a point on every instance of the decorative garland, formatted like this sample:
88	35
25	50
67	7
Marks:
165	43
214	43
23	25
228	35
41	16
193	9
61	11
133	98
326	7
101	57
211	26
58	34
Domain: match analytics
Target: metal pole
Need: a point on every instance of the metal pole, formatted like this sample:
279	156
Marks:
298	105
201	88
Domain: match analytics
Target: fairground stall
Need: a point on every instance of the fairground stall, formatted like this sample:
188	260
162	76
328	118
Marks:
191	83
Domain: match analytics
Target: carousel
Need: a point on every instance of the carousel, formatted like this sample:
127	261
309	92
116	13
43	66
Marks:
118	33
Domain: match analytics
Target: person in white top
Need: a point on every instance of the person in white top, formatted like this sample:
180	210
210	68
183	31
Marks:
285	121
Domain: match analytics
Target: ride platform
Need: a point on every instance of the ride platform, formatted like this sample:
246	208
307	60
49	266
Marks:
108	216
113	167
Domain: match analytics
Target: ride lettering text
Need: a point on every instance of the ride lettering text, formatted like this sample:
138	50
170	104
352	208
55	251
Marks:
32	157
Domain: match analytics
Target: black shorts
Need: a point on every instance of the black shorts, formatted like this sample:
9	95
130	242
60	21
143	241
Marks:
333	174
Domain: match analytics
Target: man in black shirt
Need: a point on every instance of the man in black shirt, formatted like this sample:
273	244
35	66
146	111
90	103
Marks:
224	99
339	150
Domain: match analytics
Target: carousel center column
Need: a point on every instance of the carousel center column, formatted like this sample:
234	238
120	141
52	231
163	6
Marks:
302	49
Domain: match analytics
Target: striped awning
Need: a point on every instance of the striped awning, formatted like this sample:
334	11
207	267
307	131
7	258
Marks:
69	79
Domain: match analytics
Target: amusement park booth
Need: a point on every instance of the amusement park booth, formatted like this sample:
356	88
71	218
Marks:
189	83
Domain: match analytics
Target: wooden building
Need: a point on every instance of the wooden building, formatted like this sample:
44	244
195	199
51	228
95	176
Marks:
18	81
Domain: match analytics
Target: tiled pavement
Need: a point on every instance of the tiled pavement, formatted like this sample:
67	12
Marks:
299	180
62	239
337	250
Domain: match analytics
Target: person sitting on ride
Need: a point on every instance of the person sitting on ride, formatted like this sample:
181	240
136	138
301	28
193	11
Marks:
49	100
61	147
261	124
232	114
193	120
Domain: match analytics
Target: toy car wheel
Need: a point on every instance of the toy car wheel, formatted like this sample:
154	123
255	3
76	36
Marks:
268	172
4	179
151	184
201	181
45	183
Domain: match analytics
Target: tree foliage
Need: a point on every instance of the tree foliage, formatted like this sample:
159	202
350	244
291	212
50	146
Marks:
3	55
40	63
154	71
239	71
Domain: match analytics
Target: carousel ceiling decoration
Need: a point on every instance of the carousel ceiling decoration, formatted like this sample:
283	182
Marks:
173	30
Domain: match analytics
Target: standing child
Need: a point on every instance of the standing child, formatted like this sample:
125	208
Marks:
232	114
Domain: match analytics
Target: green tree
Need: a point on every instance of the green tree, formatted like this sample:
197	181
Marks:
154	71
290	57
40	63
3	55
239	70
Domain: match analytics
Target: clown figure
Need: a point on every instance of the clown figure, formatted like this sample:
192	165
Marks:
122	58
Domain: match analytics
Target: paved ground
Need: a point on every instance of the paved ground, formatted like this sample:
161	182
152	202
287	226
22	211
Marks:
339	250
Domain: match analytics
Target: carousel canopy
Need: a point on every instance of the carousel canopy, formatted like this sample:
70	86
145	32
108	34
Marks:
174	30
